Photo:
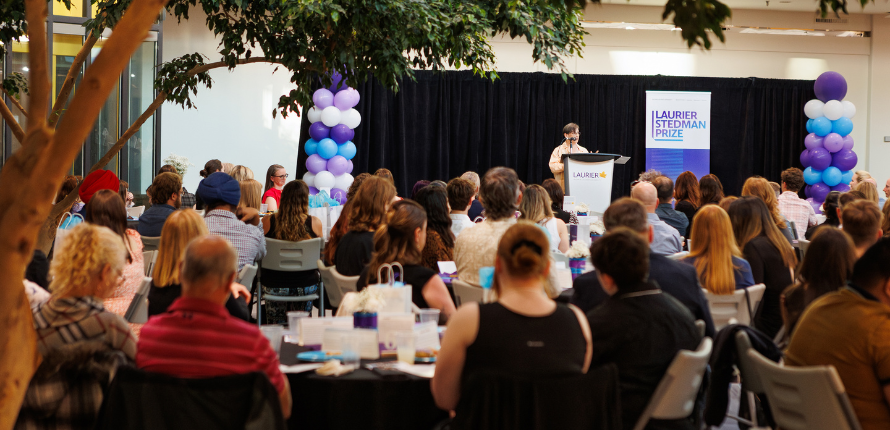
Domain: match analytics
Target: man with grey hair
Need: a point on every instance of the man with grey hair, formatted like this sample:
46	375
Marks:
197	337
666	239
476	208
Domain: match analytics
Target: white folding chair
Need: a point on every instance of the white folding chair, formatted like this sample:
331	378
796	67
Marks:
246	275
735	308
150	243
678	255
803	245
285	256
336	284
675	395
465	292
794	232
750	377
137	312
805	398
149	258
558	256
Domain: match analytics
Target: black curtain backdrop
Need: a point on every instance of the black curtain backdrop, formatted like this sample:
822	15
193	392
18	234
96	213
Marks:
444	124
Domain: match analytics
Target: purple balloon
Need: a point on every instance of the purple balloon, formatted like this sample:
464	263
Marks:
843	188
319	131
315	163
844	159
830	86
337	84
812	141
346	99
820	158
349	166
805	158
323	98
313	191
819	191
815	205
848	142
833	142
807	191
341	133
338	195
337	165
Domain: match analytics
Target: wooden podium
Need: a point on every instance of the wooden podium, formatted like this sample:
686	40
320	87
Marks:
588	178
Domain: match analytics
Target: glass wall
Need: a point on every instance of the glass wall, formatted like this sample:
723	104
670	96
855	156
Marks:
141	147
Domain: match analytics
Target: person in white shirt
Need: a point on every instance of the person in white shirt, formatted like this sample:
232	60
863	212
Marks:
569	146
792	206
666	239
460	198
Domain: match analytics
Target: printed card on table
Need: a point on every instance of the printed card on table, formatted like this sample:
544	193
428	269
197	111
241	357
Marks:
312	329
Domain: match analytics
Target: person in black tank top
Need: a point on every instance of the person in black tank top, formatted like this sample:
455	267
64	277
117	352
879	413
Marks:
523	334
401	239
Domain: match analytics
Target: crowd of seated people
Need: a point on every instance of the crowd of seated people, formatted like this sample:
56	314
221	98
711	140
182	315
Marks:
637	309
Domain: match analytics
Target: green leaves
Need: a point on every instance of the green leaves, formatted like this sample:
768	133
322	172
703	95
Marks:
696	18
15	85
174	78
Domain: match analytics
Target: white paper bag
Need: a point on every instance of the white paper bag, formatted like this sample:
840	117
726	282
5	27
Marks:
68	222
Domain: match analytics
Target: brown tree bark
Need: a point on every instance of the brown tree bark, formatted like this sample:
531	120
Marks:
30	179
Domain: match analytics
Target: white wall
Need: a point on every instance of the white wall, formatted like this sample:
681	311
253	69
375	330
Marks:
233	121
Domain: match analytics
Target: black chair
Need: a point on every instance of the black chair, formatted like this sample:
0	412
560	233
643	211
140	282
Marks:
139	400
493	401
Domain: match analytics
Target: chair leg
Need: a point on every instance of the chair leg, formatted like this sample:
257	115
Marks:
752	408
259	305
321	298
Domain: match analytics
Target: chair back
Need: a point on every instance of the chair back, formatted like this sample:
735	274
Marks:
150	243
466	293
737	307
558	256
678	255
285	256
246	275
336	284
135	211
747	368
137	312
803	245
499	401
149	258
793	228
675	396
139	400
805	398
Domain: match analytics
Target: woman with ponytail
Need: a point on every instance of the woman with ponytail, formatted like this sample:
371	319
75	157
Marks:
401	240
524	333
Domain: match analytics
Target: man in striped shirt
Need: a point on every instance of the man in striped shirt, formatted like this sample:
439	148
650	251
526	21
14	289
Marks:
197	337
792	206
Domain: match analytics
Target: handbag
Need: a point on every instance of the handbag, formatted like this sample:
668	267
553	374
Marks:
68	222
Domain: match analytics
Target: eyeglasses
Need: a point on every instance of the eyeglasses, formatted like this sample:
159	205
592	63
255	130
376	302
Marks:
281	176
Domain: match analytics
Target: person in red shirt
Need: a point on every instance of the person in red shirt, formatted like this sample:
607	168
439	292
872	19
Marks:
197	337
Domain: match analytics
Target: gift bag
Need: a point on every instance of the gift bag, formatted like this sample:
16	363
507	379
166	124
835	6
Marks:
68	222
396	294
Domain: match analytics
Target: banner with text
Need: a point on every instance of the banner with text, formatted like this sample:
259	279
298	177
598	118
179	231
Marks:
678	132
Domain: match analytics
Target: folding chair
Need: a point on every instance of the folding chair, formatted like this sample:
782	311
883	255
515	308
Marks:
285	256
805	398
149	258
803	245
150	243
137	312
675	396
336	284
738	307
678	255
466	293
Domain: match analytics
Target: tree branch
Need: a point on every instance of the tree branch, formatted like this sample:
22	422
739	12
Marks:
35	12
16	103
70	79
10	120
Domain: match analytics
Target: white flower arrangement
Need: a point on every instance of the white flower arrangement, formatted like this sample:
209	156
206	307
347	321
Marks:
369	300
180	163
597	226
578	250
582	208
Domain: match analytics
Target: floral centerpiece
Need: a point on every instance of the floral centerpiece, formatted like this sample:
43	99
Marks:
578	255
597	227
180	163
581	209
366	305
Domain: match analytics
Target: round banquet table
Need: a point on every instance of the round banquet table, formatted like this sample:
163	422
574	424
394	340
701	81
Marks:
359	400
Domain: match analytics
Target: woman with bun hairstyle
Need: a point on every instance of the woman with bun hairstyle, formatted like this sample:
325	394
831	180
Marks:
210	168
401	240
506	336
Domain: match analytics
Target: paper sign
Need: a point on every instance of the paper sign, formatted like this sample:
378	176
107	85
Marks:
568	204
312	329
427	336
388	324
560	265
370	347
299	368
447	267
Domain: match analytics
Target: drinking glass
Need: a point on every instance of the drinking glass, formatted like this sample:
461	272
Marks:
274	334
264	208
405	346
429	315
351	351
293	324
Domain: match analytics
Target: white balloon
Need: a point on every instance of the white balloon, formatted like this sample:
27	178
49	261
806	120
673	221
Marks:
309	179
343	181
833	110
330	116
849	109
813	109
313	115
324	179
351	118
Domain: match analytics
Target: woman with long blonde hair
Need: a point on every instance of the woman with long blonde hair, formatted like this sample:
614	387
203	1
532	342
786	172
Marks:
715	254
870	191
251	191
179	230
759	187
536	207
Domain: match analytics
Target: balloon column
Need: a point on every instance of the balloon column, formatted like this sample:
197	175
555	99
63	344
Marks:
330	146
829	157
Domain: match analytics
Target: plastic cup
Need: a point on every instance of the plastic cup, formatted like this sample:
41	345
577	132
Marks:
429	315
264	208
405	347
293	322
351	350
274	334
